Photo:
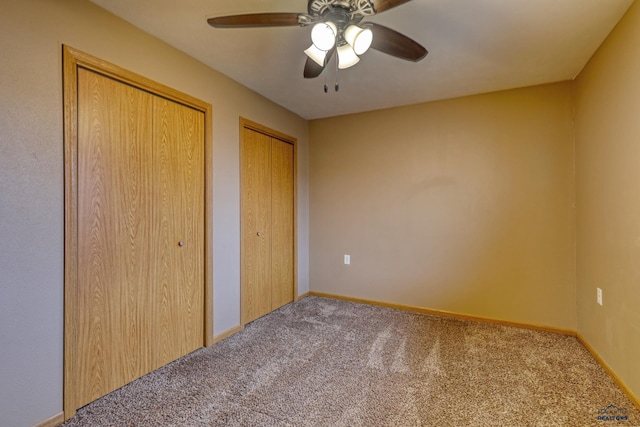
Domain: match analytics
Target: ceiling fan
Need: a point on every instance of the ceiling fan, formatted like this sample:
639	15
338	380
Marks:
337	27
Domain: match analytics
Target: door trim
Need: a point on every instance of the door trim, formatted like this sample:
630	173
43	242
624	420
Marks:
248	124
72	59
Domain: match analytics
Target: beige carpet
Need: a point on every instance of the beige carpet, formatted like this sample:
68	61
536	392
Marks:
322	362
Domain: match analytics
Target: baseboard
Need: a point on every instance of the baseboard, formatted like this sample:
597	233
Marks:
610	371
51	421
227	334
299	297
450	314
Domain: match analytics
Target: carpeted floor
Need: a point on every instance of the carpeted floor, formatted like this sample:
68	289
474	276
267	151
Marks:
322	362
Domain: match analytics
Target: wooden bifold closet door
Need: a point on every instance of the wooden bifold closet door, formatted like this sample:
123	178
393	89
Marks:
140	273
267	224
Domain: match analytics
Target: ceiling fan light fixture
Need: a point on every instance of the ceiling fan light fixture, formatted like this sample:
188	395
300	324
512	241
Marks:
359	38
323	35
336	27
318	56
347	56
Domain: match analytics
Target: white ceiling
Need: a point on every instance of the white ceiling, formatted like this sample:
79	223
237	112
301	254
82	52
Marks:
475	46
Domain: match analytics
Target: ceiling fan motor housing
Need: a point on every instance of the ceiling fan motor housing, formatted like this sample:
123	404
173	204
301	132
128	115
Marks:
355	10
340	17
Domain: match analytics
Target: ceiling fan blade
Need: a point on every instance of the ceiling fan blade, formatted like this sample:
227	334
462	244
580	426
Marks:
311	67
382	5
395	44
257	20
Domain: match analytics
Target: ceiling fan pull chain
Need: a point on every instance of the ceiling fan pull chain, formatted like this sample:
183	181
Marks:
337	86
326	86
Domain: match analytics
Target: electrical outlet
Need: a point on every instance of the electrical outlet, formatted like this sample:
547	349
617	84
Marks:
599	296
347	259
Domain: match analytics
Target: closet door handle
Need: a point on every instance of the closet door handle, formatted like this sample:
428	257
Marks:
181	243
259	234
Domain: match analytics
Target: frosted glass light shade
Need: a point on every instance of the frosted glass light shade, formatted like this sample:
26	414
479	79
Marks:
323	35
347	57
359	38
316	54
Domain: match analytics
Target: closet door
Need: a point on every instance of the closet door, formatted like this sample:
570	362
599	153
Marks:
114	204
177	275
141	233
267	220
255	225
282	223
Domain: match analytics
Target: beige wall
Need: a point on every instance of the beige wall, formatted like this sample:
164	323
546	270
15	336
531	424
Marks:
608	199
31	181
464	205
